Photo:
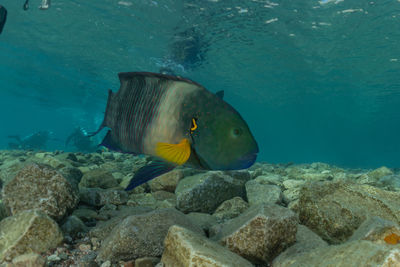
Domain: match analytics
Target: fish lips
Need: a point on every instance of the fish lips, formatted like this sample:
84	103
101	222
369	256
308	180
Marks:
247	160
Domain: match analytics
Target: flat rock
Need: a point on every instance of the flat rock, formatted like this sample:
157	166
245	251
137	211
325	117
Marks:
230	209
260	233
99	178
10	168
334	210
184	248
143	235
350	254
306	240
39	187
104	228
375	229
28	231
27	260
167	181
98	197
263	193
204	192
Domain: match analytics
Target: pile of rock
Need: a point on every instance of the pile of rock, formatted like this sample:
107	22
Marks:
62	209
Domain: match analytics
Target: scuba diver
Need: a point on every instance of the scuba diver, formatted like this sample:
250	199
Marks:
3	17
187	51
44	5
81	141
35	141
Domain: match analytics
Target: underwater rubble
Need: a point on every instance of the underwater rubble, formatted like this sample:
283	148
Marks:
71	209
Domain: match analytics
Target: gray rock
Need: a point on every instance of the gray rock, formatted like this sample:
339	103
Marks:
230	209
28	231
27	260
350	254
167	181
203	220
73	175
379	173
242	175
204	192
39	187
74	227
3	211
99	178
146	262
184	248
10	168
98	197
156	200
104	228
263	193
334	210
142	235
85	214
273	179
306	240
390	182
375	229
260	233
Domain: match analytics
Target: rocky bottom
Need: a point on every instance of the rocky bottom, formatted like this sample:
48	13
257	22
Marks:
70	209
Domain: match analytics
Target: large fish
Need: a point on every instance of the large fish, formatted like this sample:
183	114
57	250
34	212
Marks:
179	122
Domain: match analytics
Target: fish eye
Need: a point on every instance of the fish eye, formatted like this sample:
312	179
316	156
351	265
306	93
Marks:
236	132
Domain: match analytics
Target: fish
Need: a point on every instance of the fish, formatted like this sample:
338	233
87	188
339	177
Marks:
3	17
178	122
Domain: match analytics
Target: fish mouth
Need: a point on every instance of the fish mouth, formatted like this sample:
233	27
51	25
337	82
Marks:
247	160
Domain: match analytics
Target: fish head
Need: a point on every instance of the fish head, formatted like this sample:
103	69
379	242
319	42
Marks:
223	141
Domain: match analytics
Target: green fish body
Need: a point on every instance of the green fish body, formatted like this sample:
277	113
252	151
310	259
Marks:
179	122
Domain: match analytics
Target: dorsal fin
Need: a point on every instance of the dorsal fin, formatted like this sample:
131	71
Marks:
125	76
220	94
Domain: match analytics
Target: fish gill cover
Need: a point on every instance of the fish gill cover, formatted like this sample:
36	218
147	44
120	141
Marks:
314	80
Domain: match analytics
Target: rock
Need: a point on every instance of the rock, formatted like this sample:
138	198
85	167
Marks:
85	214
39	187
142	235
334	210
203	220
53	162
379	173
3	211
74	227
99	178
375	229
242	175
306	240
260	233
9	169
263	193
28	231
204	192
350	254
230	209
390	182
98	197
165	200
104	228
166	182
184	248
273	179
291	194
73	175
146	262
290	183
28	260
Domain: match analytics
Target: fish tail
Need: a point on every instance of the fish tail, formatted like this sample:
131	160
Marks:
108	116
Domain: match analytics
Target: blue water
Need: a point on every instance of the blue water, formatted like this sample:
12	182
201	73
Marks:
316	81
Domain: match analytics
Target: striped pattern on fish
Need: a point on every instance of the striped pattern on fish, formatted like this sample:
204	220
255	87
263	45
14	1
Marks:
145	110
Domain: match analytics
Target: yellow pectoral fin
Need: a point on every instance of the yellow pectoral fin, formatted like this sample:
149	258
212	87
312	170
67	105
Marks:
176	153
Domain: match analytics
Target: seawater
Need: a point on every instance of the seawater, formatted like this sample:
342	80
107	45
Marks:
315	80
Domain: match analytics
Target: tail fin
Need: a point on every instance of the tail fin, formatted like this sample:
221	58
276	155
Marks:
107	121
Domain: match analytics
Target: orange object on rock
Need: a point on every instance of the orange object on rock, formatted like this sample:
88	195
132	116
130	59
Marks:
392	239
